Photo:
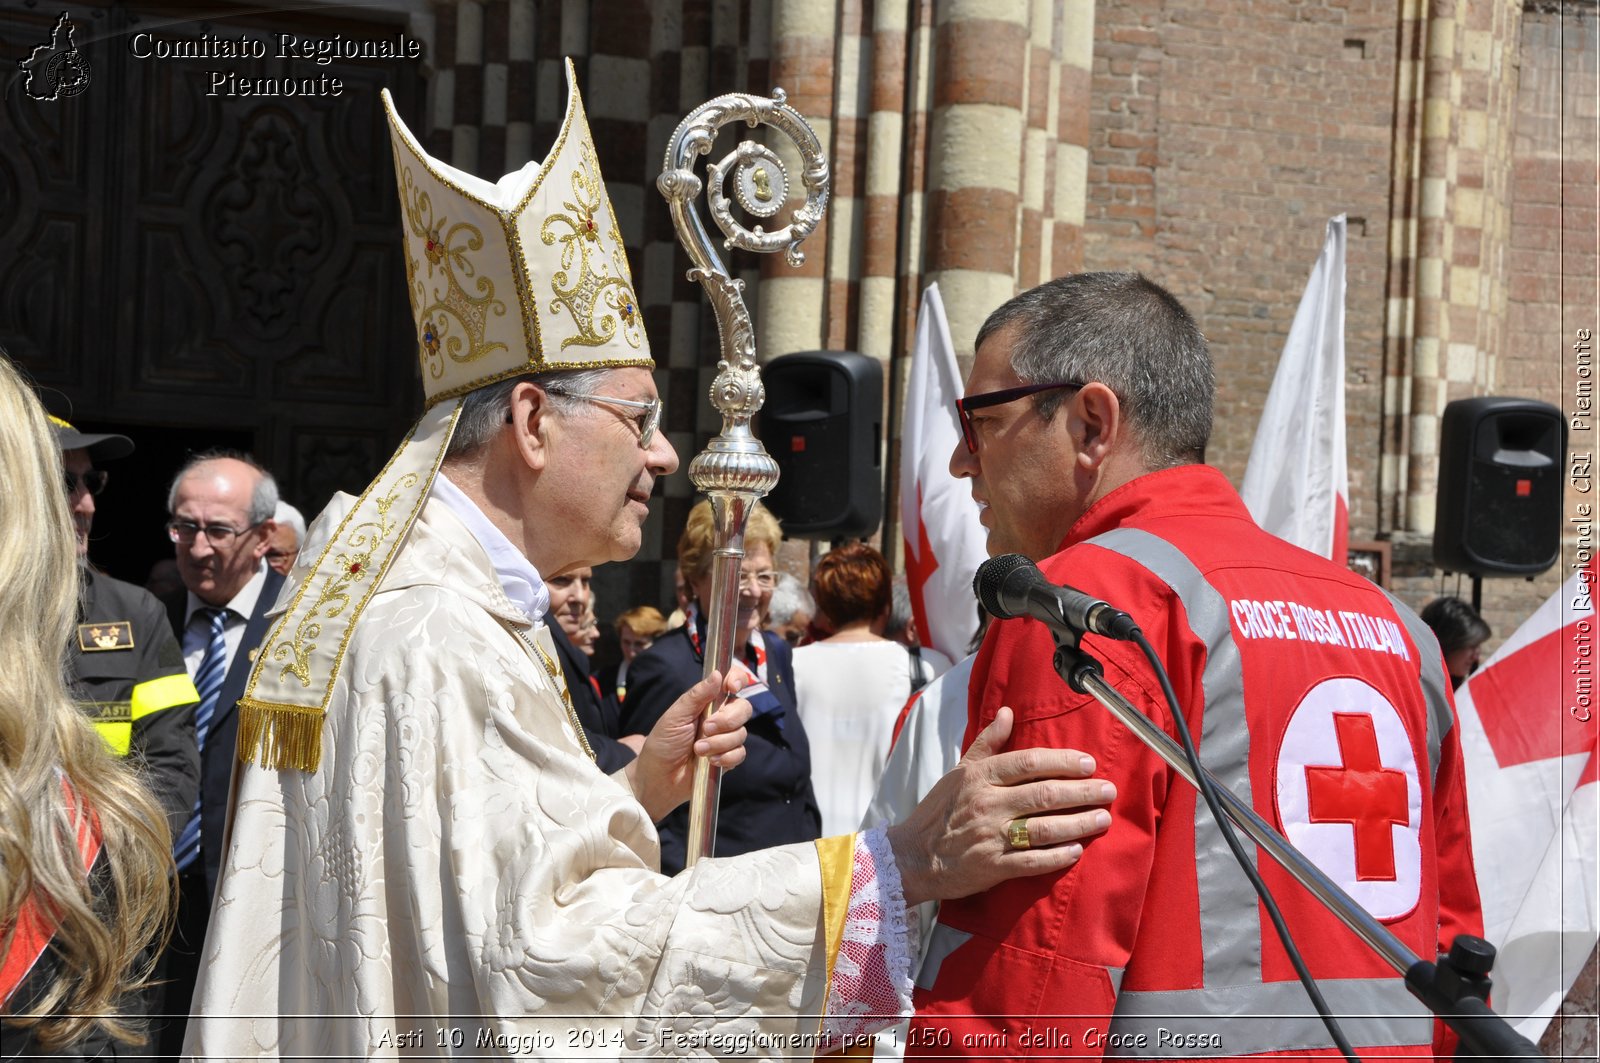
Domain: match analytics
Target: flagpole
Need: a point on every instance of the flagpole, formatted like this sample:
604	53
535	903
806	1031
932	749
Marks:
734	471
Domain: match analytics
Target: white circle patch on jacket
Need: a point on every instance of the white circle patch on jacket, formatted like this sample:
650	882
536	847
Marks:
1349	795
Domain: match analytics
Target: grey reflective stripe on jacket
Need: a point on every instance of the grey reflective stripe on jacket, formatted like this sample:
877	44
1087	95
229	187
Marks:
1434	684
1237	1013
1245	1020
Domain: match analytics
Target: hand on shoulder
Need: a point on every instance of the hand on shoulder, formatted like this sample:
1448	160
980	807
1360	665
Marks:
957	841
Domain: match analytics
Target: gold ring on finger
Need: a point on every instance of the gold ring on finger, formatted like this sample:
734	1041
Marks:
1017	834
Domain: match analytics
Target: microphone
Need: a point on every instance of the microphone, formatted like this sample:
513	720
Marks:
1010	586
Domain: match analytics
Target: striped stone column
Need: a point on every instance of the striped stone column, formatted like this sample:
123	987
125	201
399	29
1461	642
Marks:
496	69
975	149
849	157
1459	187
1400	311
912	264
468	96
659	264
671	301
792	300
616	92
887	182
694	325
442	86
1492	42
521	23
881	189
1075	47
1040	80
561	31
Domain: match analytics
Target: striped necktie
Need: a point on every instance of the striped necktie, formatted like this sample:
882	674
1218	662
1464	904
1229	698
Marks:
208	682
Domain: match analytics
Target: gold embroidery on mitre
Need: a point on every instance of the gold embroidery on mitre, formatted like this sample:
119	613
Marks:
445	248
350	567
596	292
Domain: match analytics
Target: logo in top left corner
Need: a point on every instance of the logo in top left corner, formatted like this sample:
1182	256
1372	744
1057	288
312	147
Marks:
56	70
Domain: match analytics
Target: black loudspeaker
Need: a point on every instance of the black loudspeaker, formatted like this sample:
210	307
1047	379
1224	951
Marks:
823	422
1501	465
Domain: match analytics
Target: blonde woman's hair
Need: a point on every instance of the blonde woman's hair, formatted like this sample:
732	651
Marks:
698	541
46	741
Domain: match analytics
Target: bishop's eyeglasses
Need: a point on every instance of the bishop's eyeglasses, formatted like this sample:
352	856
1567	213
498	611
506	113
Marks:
647	421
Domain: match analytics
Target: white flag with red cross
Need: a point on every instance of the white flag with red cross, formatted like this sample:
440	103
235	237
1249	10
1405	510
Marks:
1528	736
944	541
1297	483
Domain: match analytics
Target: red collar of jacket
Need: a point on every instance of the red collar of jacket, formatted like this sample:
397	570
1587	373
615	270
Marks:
1174	492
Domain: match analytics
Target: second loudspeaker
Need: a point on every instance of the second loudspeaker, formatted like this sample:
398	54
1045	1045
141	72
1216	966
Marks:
823	423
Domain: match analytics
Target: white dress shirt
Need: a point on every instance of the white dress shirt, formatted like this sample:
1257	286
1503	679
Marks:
520	580
197	635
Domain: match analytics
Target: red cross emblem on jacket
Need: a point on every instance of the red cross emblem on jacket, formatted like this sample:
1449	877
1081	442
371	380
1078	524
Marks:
1349	796
1362	793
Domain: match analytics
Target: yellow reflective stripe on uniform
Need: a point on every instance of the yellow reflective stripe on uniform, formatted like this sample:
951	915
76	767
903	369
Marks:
118	735
153	695
114	721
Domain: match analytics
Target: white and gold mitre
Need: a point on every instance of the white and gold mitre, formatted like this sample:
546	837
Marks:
524	275
520	276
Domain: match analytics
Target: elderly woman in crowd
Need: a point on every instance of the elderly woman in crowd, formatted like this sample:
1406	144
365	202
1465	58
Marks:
852	685
86	874
769	800
790	610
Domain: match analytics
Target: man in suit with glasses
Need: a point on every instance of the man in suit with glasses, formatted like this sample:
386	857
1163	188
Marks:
221	507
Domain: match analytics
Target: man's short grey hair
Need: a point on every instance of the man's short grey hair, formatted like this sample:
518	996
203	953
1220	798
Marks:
263	500
1128	333
287	514
484	410
900	614
788	598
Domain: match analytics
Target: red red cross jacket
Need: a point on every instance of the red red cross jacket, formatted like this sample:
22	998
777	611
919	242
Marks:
1311	694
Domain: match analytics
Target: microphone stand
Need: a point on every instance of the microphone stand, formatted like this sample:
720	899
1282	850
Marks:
1455	989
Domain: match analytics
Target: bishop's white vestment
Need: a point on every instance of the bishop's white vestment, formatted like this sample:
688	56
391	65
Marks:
459	877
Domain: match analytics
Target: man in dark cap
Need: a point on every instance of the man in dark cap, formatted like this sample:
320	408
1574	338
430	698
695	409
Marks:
128	667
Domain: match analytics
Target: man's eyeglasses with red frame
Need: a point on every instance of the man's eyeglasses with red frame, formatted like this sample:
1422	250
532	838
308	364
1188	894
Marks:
964	407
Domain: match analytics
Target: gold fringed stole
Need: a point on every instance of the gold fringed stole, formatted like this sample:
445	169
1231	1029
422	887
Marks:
282	711
279	736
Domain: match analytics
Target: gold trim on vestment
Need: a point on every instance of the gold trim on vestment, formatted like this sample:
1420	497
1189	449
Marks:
285	733
836	858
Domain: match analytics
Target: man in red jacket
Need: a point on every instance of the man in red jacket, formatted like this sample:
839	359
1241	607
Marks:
1311	693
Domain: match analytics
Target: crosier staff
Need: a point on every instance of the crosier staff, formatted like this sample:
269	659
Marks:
734	471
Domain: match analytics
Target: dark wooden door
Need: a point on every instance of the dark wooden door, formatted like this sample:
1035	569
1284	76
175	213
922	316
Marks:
212	268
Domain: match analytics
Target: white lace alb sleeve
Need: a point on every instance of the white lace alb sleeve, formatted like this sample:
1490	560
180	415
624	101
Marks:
871	986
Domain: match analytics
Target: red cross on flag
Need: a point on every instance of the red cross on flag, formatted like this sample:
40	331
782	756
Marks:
1528	739
944	541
